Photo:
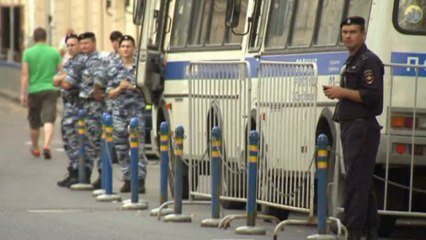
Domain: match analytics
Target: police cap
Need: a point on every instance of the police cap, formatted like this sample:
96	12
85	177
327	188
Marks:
86	35
354	20
70	35
127	38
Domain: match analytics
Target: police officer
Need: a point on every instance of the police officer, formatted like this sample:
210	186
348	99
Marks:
360	97
69	92
92	95
113	62
128	102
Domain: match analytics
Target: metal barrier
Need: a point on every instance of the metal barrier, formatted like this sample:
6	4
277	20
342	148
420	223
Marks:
400	182
219	95
286	117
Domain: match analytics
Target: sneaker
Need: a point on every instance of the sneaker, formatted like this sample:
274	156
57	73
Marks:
126	187
47	154
35	152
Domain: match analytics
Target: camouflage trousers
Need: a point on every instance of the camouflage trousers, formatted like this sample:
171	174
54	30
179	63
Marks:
121	120
69	132
92	145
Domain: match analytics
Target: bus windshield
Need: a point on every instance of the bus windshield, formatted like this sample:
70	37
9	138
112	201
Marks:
409	16
313	23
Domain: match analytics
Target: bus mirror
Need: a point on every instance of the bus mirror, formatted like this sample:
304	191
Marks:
233	9
138	8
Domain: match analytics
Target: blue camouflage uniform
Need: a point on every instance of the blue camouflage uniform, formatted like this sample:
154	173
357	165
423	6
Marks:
127	105
92	73
113	63
71	105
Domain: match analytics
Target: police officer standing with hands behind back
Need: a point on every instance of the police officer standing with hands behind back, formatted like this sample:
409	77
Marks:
360	96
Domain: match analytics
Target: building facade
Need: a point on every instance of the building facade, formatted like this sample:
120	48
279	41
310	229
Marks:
19	18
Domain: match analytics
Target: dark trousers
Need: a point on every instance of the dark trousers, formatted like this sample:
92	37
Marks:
360	139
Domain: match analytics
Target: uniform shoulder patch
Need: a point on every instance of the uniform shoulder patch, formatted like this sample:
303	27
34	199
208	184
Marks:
368	76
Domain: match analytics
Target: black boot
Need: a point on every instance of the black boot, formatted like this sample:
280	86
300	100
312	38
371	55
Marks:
141	186
372	233
98	183
88	172
126	187
70	179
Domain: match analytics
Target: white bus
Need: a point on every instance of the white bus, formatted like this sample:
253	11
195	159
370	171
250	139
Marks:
190	51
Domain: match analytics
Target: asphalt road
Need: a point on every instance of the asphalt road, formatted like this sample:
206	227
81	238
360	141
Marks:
33	207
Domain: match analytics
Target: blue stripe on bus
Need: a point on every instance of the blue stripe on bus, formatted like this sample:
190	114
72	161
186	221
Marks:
408	58
328	63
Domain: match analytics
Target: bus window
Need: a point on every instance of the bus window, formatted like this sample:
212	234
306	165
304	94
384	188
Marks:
200	22
329	25
278	24
256	31
360	8
409	16
181	23
304	23
217	26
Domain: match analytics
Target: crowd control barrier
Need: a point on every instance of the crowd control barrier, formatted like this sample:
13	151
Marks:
219	95
286	121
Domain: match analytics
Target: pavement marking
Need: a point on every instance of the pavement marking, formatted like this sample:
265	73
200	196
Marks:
57	210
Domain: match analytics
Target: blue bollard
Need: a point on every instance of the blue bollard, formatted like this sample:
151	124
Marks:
81	125
252	176
107	170
178	170
178	187
134	203
104	155
216	171
322	166
103	151
164	170
106	194
251	229
134	159
83	182
164	149
216	182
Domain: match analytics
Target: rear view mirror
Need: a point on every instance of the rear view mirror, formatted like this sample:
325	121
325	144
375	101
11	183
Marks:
138	9
233	9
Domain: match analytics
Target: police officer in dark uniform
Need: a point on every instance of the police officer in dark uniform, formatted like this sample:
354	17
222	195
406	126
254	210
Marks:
360	97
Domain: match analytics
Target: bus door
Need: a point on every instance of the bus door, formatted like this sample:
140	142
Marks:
151	16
